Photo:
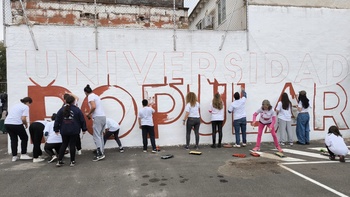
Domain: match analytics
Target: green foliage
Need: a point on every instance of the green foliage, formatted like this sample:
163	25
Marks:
3	78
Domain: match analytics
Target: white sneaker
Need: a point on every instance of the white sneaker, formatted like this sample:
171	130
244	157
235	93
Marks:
25	156
67	155
79	152
244	144
53	158
14	158
237	146
37	160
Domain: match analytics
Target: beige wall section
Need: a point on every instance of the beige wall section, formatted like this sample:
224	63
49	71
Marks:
340	4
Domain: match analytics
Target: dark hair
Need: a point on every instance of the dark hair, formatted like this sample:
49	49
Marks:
334	129
53	117
144	102
236	96
26	100
87	89
304	100
65	96
285	101
69	101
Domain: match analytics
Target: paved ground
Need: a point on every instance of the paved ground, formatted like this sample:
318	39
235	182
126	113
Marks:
214	173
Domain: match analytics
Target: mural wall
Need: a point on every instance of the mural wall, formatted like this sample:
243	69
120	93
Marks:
285	50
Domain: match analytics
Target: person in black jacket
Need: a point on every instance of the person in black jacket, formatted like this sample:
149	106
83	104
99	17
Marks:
69	121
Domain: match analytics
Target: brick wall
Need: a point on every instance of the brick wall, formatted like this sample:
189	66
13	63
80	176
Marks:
83	13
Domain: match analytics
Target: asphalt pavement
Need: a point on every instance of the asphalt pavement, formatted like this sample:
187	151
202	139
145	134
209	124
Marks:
213	173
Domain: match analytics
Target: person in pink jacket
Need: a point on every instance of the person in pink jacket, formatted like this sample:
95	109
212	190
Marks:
268	119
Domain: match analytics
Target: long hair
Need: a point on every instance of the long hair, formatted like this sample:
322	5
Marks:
285	101
304	100
191	98
69	101
217	101
334	129
87	89
266	103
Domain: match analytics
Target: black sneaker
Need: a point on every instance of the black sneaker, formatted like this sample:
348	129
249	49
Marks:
219	146
59	163
341	158
98	158
121	150
72	164
213	146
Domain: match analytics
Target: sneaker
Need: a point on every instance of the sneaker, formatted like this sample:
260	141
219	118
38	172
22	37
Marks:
25	156
341	158
14	158
332	157
213	146
59	163
186	147
53	158
237	146
154	151
244	144
282	143
256	149
279	149
196	147
121	150
37	160
145	151
98	158
291	143
67	155
79	152
219	146
72	164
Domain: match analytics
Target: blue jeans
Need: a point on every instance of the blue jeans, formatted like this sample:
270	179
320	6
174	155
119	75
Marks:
240	124
303	128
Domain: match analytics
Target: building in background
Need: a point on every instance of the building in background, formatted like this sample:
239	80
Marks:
108	13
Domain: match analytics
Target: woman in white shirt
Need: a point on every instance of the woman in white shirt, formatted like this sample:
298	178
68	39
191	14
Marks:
303	127
16	124
217	118
284	111
335	144
192	118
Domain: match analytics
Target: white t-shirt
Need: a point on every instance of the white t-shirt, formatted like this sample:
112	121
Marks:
146	116
238	108
15	114
52	136
303	110
193	111
216	114
99	108
283	114
336	144
111	125
266	116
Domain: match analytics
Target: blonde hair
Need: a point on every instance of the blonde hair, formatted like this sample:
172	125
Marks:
217	101
191	98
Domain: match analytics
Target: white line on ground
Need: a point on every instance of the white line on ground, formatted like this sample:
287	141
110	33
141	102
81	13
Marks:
324	148
304	153
273	156
313	181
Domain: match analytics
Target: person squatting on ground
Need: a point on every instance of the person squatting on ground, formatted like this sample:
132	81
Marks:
303	127
192	118
69	121
147	126
16	124
284	112
237	107
217	118
335	144
36	134
112	128
268	119
99	121
78	142
53	140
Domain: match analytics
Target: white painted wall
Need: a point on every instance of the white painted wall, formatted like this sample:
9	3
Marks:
306	47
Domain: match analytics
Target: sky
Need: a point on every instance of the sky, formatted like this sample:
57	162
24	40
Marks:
187	3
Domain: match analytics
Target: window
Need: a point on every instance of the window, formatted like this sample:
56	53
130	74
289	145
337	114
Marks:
221	11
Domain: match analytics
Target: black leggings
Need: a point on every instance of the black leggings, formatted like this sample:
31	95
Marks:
192	123
16	131
49	147
116	137
71	141
36	135
216	126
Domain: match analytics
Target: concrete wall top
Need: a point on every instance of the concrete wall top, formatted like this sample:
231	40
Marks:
339	4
